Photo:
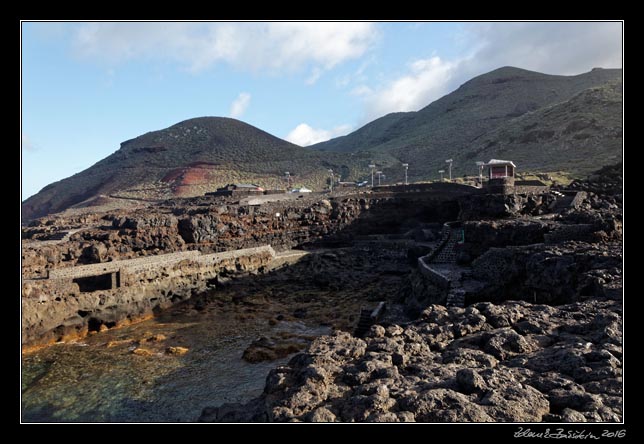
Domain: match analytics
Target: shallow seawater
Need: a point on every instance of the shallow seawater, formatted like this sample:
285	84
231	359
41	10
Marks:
100	379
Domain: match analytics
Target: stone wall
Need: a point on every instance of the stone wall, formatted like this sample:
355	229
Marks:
503	185
572	232
285	225
547	274
482	206
579	198
53	309
211	225
197	238
480	236
530	189
442	189
432	275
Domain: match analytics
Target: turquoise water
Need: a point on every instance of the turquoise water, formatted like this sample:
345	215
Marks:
100	379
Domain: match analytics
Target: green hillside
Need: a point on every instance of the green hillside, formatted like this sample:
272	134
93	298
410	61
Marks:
456	125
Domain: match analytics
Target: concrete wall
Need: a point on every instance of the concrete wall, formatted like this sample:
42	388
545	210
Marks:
111	267
55	309
150	262
217	257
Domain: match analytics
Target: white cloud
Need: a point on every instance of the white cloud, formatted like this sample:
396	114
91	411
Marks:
358	76
342	81
361	90
564	48
27	145
426	81
273	47
316	73
305	135
239	105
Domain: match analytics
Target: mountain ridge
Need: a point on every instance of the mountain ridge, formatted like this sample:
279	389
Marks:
544	122
444	128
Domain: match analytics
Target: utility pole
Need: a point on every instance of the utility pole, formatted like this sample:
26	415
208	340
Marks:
405	166
379	173
449	161
373	168
441	171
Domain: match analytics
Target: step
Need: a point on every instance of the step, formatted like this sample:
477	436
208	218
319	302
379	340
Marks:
455	298
57	236
444	260
364	323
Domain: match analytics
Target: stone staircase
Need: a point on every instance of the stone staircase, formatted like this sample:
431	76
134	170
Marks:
446	254
364	323
368	318
455	298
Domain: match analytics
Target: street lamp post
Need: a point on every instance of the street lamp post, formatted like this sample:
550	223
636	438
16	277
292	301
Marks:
406	167
449	161
379	173
480	165
441	171
373	168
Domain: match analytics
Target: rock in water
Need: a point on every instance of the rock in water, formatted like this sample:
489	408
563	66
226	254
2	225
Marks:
177	350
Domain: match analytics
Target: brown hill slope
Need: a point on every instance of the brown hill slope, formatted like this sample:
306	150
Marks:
188	159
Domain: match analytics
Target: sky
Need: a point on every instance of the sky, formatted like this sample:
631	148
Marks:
88	86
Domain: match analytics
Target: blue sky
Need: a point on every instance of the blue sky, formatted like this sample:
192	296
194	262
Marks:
87	87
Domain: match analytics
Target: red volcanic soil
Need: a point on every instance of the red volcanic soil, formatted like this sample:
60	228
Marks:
173	175
195	173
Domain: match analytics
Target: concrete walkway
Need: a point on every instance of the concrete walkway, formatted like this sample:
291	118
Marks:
286	258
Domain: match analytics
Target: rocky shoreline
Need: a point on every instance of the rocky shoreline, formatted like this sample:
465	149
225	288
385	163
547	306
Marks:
515	362
539	340
61	309
538	337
